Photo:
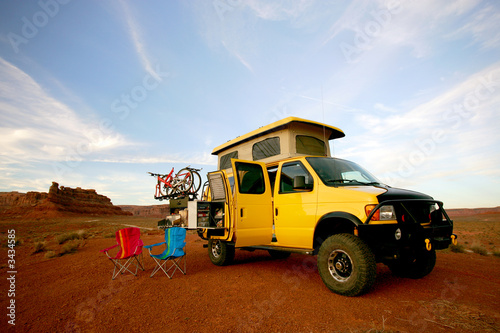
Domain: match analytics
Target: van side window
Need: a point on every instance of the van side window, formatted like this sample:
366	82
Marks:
250	178
295	177
266	148
310	145
225	160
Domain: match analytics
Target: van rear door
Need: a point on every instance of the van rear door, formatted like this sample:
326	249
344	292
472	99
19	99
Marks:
253	203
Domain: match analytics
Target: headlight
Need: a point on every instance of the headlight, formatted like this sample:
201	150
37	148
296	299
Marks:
384	213
387	213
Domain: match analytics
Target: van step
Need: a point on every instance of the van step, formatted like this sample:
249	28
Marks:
279	248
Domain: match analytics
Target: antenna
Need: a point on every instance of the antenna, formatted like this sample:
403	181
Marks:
323	122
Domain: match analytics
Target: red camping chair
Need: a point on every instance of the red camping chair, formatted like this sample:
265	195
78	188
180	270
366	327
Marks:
130	251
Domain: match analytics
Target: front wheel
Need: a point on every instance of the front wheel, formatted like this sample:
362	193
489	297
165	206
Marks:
414	267
346	265
220	253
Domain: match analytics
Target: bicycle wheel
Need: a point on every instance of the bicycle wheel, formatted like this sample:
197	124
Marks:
196	183
185	179
159	192
168	190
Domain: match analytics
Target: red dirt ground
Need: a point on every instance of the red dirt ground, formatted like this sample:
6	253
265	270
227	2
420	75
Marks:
75	293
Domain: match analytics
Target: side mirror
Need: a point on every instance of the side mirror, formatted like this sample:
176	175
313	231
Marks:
299	183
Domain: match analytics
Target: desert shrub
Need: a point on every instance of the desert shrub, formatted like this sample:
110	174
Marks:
62	238
39	247
479	250
496	253
83	234
459	248
50	254
70	247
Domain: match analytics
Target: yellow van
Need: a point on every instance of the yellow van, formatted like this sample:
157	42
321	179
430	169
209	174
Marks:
278	188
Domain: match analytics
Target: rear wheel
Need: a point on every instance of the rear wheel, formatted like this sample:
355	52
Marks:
220	253
346	265
416	266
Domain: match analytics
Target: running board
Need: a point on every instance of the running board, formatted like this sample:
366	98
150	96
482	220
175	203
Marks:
278	248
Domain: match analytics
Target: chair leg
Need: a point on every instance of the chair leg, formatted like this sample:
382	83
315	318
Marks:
169	272
122	268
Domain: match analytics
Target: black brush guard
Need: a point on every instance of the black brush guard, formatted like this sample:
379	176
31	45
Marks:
416	228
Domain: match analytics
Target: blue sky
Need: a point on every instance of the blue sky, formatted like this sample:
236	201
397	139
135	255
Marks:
94	94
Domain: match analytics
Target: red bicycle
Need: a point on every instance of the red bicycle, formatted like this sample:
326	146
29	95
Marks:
186	182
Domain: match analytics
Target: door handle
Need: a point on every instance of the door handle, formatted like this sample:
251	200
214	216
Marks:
276	211
241	212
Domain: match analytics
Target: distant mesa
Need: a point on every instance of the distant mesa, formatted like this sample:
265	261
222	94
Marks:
58	202
159	211
456	212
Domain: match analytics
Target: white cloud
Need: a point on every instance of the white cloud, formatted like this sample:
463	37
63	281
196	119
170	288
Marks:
419	25
202	158
384	108
36	126
484	28
457	131
136	37
235	25
278	10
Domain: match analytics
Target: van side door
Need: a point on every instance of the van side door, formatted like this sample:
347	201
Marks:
295	204
252	203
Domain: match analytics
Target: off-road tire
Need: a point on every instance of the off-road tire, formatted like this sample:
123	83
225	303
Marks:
221	253
415	267
279	254
346	265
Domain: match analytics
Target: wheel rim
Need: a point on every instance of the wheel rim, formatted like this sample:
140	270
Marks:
216	249
340	265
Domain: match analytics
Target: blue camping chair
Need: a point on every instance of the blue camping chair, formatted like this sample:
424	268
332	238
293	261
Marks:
174	254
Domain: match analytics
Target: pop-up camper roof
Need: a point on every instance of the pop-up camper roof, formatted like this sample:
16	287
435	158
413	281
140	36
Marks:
282	139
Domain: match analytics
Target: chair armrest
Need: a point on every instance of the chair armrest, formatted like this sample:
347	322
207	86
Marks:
138	247
109	248
180	249
153	245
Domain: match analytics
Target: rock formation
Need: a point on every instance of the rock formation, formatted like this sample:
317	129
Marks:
59	201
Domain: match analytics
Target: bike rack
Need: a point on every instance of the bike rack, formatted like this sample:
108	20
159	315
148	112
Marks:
174	196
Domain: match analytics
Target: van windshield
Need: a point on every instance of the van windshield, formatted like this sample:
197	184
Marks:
337	172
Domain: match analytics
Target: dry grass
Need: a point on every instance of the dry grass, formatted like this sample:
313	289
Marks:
71	247
446	314
479	250
50	254
39	247
459	248
54	238
478	233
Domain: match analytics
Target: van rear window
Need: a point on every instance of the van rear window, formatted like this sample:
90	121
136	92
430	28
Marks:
310	145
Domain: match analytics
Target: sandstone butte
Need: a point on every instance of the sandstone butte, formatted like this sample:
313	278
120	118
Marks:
58	202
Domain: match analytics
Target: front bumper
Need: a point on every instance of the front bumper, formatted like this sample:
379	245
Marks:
412	231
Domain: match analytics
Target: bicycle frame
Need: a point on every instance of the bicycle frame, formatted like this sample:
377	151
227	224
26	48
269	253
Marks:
170	182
